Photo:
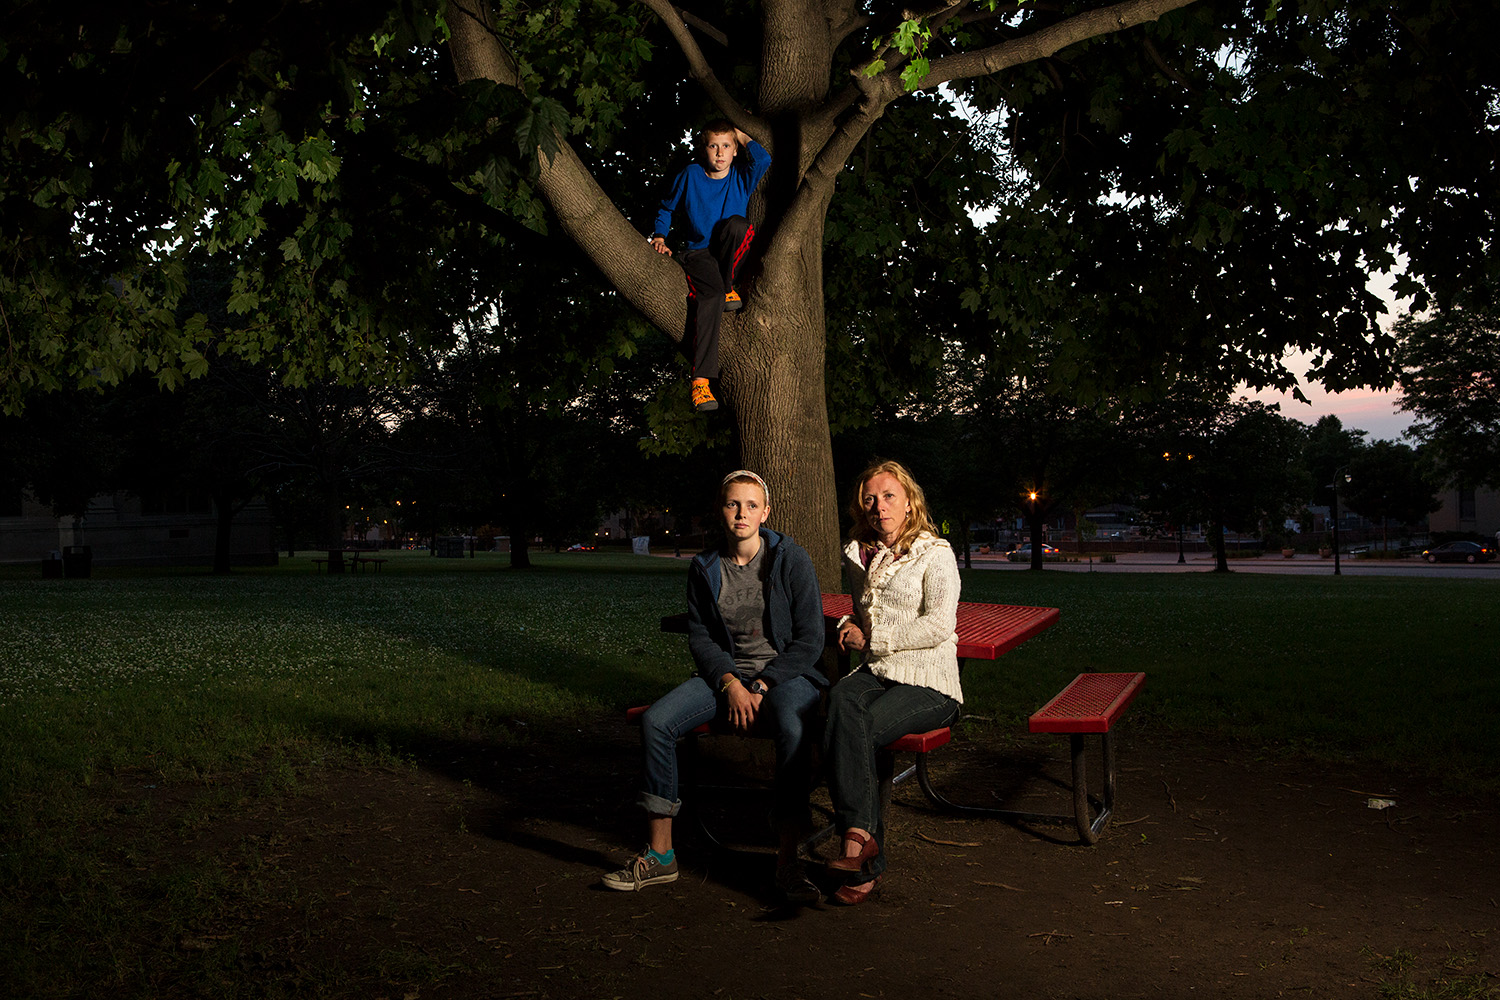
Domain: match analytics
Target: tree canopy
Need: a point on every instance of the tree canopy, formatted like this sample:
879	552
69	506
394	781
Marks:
1450	379
1179	187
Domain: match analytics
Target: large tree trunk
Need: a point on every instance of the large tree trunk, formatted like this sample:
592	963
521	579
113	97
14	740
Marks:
773	377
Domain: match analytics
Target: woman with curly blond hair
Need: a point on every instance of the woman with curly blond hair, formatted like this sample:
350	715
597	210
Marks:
904	580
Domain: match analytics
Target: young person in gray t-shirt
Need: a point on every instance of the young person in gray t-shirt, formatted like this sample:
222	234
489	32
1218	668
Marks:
755	628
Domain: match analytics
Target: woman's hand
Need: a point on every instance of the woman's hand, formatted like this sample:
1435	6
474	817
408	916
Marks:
742	706
851	638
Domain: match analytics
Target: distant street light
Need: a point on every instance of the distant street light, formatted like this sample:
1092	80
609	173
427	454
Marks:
1169	456
1341	474
1031	530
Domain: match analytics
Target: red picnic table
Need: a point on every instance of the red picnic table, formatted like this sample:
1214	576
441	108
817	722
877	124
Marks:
1091	703
985	631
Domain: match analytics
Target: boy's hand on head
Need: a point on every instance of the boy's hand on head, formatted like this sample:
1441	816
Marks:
743	138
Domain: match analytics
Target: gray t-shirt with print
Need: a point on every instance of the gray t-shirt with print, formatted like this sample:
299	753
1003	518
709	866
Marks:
742	602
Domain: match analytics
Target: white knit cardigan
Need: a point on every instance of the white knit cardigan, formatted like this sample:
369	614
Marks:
908	610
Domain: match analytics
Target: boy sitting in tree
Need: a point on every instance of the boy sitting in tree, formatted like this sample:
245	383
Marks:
712	197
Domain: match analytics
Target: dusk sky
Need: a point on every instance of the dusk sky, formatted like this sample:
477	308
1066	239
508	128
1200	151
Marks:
1364	409
1361	409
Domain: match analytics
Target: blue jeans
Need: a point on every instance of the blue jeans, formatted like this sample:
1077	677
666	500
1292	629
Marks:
864	714
788	715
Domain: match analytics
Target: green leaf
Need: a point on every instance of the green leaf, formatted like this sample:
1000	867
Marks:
243	302
915	72
194	364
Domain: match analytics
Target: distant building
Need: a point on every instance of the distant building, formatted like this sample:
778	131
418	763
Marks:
1472	510
121	529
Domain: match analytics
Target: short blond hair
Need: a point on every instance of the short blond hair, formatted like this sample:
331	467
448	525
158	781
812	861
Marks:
719	126
918	521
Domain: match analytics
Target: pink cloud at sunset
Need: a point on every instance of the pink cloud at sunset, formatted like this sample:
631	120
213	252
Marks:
1363	409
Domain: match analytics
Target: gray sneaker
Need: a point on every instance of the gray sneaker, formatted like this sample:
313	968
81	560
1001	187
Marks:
642	871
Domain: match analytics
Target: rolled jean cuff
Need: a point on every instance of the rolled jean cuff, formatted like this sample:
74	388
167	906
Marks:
655	805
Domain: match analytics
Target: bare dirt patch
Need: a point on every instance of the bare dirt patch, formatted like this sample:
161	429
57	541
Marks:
474	873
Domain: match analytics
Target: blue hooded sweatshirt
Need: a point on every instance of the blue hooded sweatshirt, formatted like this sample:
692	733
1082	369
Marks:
794	614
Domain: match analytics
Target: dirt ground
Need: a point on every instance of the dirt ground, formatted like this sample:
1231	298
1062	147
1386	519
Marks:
475	873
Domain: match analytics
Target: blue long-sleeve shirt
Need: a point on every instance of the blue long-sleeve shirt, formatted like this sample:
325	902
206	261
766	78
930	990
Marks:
705	201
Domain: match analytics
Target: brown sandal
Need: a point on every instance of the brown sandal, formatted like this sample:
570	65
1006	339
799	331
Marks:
867	850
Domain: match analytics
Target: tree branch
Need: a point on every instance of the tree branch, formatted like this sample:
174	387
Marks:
818	181
651	282
937	16
1168	71
1046	41
703	26
837	35
836	106
698	66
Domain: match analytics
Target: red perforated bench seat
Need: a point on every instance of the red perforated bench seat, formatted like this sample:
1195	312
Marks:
921	742
1090	704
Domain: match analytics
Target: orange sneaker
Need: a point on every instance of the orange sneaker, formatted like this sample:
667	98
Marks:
732	301
703	396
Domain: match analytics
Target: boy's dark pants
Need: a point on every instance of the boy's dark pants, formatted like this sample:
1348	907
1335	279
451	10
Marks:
710	273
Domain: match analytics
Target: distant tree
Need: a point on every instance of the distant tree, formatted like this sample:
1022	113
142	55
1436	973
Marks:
330	442
1237	465
1388	481
1044	449
208	438
69	448
944	451
1328	448
1450	379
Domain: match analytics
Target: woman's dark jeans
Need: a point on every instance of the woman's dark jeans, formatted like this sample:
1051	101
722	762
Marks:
864	714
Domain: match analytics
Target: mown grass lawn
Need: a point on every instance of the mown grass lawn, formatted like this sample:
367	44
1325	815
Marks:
268	676
187	671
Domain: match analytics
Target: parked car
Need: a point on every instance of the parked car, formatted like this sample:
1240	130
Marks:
1022	553
580	547
1459	552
